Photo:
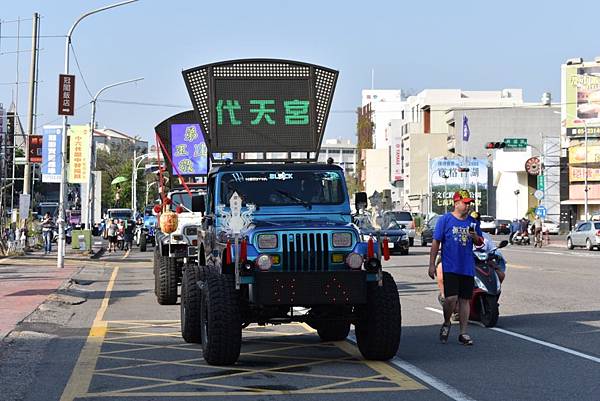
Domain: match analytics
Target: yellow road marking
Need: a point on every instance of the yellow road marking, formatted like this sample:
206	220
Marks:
385	369
513	266
83	371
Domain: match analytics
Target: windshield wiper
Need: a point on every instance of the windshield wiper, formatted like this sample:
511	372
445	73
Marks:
295	198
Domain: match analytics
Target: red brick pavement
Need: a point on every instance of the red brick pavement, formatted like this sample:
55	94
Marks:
25	282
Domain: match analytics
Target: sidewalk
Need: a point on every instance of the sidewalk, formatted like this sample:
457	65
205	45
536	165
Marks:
26	281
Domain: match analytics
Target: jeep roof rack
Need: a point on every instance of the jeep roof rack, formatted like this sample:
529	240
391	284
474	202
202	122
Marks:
252	107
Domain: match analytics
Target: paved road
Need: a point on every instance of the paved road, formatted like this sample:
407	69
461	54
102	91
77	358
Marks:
121	345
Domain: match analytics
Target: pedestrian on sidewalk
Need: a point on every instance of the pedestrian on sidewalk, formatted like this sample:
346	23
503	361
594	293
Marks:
456	232
537	231
111	231
514	229
128	234
47	232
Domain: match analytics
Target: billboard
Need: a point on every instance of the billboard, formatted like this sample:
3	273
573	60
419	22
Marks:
581	99
188	149
445	179
51	153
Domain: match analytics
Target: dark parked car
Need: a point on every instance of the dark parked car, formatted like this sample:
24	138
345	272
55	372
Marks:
427	232
397	237
403	219
502	227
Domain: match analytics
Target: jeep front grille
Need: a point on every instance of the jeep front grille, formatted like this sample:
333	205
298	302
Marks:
305	252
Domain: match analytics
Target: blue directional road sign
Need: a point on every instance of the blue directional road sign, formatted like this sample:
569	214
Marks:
541	211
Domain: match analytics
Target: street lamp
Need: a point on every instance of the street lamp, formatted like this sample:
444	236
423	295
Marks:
60	260
134	177
90	208
517	192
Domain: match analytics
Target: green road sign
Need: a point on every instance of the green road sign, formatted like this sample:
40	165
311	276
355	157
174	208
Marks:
515	144
540	182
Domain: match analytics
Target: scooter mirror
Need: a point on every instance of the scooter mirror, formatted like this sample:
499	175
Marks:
502	244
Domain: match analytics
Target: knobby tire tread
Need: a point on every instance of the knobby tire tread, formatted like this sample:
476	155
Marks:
190	305
379	329
224	337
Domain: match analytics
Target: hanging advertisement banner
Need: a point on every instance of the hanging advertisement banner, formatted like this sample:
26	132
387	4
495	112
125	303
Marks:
581	94
448	176
79	154
51	156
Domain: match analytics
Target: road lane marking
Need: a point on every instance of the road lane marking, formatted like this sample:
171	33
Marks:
82	373
536	341
425	377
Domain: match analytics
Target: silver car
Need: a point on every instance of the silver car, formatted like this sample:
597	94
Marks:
586	233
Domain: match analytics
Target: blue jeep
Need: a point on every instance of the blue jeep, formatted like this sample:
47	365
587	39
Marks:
146	232
300	249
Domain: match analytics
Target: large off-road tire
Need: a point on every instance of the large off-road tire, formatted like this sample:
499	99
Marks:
166	288
143	243
221	320
333	330
190	305
379	326
487	307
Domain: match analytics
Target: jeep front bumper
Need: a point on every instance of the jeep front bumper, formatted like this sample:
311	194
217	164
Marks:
309	288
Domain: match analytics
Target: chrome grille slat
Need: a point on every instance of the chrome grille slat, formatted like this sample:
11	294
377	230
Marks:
305	252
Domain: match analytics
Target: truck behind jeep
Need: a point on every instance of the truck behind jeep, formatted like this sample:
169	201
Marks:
171	249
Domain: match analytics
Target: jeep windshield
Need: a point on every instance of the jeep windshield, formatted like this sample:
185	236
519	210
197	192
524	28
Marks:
284	188
182	199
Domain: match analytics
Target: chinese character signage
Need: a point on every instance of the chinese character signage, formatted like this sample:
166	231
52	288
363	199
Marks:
79	154
51	156
35	148
188	150
445	179
66	95
261	111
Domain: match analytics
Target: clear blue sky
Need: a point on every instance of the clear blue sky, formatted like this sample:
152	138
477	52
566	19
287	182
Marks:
472	45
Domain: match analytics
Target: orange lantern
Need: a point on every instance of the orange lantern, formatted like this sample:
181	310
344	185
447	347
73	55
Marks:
168	220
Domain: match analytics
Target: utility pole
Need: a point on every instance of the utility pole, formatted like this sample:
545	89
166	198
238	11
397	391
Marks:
32	90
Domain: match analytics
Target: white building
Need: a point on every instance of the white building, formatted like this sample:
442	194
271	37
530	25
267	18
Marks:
343	153
423	131
386	105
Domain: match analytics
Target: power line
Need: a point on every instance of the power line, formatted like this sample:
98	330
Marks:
81	73
177	106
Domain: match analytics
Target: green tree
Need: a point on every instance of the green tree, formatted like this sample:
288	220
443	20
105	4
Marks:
114	163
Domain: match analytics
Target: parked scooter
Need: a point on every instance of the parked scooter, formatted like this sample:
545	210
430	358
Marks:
484	302
521	238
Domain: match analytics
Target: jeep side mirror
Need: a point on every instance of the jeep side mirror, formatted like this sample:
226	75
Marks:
198	204
360	201
502	244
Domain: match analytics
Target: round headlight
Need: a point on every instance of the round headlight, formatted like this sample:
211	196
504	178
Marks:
264	262
354	260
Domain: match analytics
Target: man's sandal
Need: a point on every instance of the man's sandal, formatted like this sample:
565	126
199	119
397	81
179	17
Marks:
465	339
444	333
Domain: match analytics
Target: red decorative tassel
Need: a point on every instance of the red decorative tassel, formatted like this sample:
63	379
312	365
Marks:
228	253
386	248
243	250
370	248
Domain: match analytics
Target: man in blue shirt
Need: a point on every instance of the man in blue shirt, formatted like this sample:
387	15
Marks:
456	232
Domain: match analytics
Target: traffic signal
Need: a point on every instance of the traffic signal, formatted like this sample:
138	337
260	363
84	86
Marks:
495	145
